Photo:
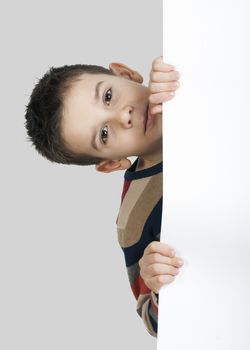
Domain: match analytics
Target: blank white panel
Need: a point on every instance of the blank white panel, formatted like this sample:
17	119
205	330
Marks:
206	147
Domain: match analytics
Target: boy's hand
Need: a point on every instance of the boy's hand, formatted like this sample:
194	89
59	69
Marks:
162	84
159	265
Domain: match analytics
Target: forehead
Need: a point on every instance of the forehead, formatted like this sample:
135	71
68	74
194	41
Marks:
79	108
81	92
83	84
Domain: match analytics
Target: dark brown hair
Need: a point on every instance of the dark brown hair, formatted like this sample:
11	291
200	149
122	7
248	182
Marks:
44	113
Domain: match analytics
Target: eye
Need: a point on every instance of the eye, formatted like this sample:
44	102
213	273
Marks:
108	96
104	134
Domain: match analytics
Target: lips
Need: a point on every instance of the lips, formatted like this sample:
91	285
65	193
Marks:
146	117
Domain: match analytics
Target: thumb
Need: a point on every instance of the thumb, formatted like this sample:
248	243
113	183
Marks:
155	109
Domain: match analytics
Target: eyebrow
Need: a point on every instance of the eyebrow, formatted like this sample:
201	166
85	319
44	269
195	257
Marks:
97	90
93	144
96	98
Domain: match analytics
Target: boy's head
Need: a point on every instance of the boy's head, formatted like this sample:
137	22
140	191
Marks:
87	114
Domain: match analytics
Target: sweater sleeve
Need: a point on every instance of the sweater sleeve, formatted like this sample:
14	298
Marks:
147	305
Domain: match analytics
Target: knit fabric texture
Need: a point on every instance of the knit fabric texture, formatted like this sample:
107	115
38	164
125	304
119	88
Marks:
138	224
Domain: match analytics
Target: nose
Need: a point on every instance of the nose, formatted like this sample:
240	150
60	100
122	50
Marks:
122	117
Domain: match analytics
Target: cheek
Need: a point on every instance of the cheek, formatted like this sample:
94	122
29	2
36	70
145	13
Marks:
130	140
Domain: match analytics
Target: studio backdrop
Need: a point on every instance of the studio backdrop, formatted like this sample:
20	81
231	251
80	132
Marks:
64	283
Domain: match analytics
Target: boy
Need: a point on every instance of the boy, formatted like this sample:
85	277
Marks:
85	114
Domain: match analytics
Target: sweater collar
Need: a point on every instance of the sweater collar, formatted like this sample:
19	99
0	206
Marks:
132	174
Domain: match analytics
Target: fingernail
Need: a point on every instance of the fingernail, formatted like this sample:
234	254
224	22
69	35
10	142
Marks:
172	252
180	261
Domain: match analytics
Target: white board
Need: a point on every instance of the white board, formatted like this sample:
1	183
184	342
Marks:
206	153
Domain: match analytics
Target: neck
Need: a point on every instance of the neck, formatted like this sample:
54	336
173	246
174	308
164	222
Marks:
147	161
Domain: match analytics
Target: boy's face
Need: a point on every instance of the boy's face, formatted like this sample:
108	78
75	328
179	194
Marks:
114	118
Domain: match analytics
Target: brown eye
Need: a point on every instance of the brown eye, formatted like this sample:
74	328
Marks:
104	135
108	96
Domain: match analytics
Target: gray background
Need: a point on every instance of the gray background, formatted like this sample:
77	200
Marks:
64	283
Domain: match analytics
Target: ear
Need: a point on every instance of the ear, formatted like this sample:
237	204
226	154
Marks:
107	166
122	70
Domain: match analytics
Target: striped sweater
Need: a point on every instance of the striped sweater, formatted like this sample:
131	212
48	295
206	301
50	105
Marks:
138	224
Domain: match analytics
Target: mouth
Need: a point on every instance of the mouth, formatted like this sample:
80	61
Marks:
147	118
